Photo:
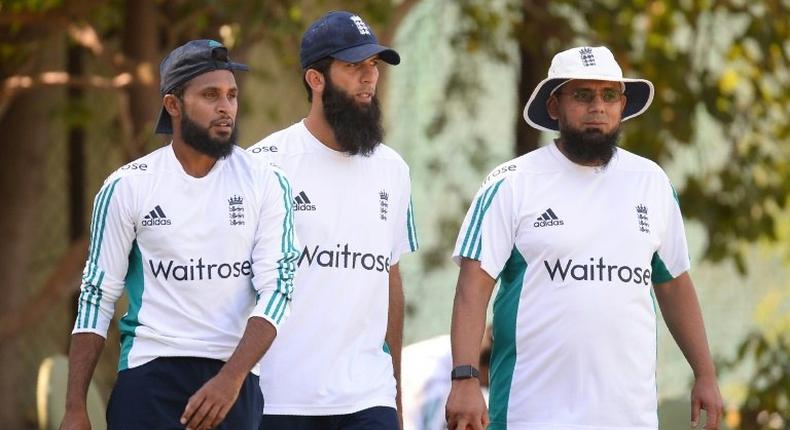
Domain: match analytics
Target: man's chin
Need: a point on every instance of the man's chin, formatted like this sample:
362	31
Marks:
221	138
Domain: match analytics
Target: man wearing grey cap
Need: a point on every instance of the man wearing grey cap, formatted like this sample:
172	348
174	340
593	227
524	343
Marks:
583	236
200	237
336	362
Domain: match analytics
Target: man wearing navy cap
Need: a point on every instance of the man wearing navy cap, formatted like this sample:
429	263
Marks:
200	237
584	237
335	364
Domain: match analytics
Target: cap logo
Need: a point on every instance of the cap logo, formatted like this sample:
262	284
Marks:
587	57
361	26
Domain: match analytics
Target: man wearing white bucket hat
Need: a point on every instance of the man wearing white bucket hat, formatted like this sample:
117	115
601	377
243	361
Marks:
577	232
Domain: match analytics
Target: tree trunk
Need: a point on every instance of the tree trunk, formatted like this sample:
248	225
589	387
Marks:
27	134
526	136
141	47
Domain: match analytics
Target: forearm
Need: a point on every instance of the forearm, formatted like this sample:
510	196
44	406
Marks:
394	335
257	338
681	311
84	353
469	312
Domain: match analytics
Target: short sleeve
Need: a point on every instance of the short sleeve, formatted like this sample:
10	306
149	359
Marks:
405	229
487	233
672	258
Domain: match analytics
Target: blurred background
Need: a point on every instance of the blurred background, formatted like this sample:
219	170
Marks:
79	97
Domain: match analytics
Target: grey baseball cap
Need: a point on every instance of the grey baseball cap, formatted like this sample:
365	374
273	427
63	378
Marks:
186	62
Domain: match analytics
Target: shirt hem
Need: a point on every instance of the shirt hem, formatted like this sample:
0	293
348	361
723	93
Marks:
547	426
312	410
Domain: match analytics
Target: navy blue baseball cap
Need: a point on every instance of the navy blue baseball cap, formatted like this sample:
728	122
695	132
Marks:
186	62
343	36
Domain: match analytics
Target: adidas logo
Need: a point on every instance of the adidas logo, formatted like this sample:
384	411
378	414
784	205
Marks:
548	219
302	203
156	217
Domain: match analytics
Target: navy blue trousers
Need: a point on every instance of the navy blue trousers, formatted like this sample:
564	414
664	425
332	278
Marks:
153	396
376	418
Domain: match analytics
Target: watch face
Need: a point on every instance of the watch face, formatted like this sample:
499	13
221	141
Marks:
464	372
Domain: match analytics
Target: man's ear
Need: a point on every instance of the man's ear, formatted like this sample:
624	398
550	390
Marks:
553	107
172	105
315	80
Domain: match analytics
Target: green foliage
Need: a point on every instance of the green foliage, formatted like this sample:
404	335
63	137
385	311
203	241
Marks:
768	393
30	5
729	58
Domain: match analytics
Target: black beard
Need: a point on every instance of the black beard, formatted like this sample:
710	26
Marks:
198	138
589	147
357	127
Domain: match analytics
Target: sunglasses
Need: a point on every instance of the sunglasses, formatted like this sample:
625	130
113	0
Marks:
587	95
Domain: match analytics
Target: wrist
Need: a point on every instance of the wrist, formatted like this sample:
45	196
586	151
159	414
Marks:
466	384
76	405
707	376
709	372
232	374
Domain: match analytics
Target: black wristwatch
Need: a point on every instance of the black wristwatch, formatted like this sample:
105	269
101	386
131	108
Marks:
465	371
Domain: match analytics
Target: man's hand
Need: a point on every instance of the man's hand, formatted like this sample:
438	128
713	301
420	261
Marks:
84	353
466	408
705	395
75	420
209	405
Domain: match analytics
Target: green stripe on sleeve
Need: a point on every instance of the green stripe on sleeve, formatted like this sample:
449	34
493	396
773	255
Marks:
101	221
411	227
93	303
278	302
485	204
98	301
86	291
479	246
471	226
98	223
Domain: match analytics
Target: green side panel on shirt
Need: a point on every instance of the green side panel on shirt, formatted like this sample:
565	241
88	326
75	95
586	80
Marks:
503	350
134	288
660	273
386	348
655	318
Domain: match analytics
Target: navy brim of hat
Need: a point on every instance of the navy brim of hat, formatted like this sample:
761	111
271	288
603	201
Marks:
358	53
638	93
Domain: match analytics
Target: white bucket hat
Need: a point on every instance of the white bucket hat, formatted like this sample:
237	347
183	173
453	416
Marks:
593	63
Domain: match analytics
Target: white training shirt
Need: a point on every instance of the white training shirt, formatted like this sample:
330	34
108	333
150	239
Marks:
354	219
197	256
575	249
